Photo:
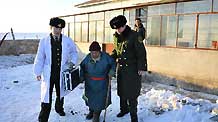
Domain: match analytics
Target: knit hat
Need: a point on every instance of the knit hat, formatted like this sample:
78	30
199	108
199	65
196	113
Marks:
118	21
94	46
57	22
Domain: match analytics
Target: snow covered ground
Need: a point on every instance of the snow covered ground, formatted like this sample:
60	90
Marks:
20	100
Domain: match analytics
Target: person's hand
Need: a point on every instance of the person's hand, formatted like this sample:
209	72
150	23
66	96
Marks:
38	77
68	66
110	76
82	79
71	65
140	72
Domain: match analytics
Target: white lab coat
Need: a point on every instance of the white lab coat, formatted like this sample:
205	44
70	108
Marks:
42	63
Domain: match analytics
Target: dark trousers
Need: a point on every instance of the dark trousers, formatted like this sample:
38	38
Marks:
46	107
129	105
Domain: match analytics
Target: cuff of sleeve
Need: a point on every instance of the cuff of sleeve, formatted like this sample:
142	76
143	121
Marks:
111	73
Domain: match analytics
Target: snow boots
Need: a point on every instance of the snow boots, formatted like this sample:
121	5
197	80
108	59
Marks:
96	115
122	113
134	117
44	113
59	106
89	115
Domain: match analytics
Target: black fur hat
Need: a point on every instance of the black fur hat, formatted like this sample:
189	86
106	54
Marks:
118	21
94	46
57	22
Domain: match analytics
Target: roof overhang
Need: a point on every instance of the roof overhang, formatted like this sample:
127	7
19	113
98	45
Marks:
132	6
92	2
162	2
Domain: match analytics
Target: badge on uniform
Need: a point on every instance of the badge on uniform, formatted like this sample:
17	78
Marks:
71	79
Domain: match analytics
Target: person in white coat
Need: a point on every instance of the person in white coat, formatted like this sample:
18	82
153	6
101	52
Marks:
56	53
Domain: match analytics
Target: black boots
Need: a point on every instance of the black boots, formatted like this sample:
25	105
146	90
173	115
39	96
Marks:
96	115
61	113
93	114
90	115
134	117
44	113
59	106
122	113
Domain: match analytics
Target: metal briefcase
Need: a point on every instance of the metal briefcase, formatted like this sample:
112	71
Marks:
71	79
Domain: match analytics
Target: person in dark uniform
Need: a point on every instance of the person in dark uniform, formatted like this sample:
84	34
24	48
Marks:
139	28
130	54
56	53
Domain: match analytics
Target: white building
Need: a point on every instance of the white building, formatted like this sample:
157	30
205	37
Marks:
182	35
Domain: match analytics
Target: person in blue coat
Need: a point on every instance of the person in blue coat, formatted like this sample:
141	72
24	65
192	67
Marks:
97	69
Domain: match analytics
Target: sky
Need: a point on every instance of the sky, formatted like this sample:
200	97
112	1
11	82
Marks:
33	15
20	99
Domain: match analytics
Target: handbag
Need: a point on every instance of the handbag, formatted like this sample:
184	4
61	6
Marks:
71	79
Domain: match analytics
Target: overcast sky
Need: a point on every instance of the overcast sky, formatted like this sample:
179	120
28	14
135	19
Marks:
32	15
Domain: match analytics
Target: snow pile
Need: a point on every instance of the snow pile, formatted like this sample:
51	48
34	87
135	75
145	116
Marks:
178	108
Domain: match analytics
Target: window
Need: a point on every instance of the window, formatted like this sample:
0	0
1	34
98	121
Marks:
153	10
168	31
111	14
92	29
81	28
78	32
71	30
81	18
132	15
100	31
153	30
66	29
180	30
96	27
109	34
84	32
208	31
142	14
96	16
167	9
215	5
194	7
108	31
162	9
186	31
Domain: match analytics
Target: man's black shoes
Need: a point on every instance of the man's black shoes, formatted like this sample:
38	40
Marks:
89	115
61	113
122	113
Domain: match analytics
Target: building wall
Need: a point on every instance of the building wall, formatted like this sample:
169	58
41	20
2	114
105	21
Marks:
197	67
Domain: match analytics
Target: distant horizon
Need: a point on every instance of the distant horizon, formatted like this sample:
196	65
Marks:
27	35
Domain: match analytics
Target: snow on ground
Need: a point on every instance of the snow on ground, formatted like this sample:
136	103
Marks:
20	100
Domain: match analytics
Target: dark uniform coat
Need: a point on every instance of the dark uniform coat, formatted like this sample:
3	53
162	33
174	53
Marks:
141	31
131	56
